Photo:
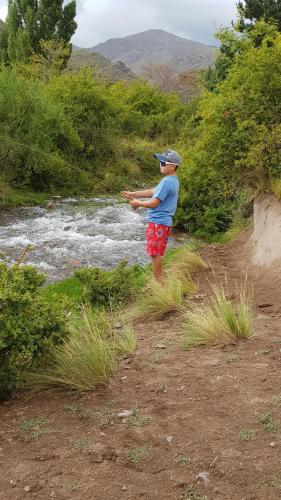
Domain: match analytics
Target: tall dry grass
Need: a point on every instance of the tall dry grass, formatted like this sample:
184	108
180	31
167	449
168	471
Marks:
158	299
218	321
185	262
88	357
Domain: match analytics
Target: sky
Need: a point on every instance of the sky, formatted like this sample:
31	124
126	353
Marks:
99	20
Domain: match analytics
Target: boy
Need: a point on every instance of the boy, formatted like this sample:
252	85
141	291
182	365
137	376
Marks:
161	207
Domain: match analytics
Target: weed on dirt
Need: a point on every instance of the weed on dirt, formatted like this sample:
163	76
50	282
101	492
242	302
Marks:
137	455
81	444
269	424
75	486
137	420
276	483
34	428
190	494
101	417
247	435
184	461
276	401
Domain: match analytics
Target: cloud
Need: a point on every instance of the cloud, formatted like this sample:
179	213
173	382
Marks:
99	20
3	9
194	19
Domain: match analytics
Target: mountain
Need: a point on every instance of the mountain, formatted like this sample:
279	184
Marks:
104	67
157	47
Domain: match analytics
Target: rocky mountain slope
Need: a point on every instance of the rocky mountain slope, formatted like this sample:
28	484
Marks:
103	66
157	46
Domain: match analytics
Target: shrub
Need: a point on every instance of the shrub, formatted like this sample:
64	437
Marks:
218	321
28	324
88	358
111	288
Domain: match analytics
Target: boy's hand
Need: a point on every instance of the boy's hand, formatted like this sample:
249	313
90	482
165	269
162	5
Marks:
134	203
127	194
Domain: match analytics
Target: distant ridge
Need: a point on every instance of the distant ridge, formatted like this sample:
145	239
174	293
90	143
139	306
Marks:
104	67
157	47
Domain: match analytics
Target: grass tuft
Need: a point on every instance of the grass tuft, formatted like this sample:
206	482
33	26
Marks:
159	299
125	342
88	357
217	321
186	262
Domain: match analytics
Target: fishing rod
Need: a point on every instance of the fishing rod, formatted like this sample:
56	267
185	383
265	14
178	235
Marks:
59	160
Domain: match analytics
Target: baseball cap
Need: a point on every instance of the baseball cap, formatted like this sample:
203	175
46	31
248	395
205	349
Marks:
169	156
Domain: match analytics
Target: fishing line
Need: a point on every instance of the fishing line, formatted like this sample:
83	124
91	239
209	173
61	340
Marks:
59	160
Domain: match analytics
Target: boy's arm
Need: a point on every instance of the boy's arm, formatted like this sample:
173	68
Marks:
158	194
148	193
153	203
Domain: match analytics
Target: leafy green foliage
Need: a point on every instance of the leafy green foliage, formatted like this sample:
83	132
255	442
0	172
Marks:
97	128
30	22
254	10
30	117
28	324
238	136
111	288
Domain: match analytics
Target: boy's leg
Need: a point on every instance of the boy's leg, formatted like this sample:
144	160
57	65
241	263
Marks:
157	268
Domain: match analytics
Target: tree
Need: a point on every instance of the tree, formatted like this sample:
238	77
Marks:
30	21
238	146
254	10
3	42
186	84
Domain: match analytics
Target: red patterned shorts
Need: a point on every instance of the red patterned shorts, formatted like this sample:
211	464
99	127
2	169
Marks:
157	237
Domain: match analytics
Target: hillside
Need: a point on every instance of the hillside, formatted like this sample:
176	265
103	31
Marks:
114	71
157	46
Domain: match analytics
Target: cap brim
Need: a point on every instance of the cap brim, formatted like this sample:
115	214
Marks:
160	157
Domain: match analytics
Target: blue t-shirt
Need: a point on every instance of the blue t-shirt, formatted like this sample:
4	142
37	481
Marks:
167	192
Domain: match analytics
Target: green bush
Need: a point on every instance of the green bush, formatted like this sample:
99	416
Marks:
111	288
28	324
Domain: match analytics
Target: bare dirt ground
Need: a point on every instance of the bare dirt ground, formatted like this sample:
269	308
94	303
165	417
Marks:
202	438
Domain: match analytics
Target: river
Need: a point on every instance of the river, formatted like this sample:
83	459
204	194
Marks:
76	233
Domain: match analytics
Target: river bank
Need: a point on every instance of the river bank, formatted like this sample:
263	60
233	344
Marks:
190	440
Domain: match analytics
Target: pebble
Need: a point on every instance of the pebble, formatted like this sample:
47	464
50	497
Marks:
169	439
272	444
126	413
204	476
160	346
124	488
95	456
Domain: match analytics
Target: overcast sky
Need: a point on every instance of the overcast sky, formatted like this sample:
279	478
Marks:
99	20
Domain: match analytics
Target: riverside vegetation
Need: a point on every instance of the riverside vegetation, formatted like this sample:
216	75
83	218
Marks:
72	336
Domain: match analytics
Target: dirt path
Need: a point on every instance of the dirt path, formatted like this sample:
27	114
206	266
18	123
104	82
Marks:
197	403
